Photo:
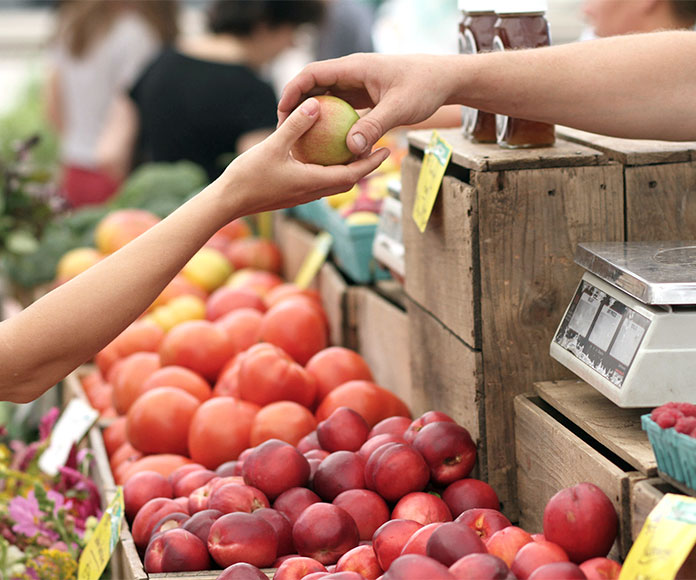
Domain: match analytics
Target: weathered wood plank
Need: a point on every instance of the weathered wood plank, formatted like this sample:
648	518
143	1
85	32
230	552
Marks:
645	495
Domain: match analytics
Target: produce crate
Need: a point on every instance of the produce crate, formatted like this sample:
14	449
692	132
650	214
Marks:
495	268
645	495
569	433
314	213
675	453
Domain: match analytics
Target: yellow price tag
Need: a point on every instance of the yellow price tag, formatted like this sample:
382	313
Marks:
664	543
265	224
100	546
314	260
437	156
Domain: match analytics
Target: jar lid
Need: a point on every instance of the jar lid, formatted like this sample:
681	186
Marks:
477	5
520	6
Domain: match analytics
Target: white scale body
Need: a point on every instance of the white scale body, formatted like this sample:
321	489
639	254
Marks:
630	329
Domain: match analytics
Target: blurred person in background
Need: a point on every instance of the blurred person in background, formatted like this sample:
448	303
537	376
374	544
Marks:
205	98
346	28
100	47
614	17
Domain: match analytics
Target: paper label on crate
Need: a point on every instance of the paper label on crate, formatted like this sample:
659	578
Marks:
264	222
437	156
100	546
664	543
72	425
314	260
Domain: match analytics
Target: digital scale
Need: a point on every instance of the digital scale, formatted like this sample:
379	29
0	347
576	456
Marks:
630	329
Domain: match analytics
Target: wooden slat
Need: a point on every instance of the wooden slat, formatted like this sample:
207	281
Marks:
617	429
333	290
295	242
645	495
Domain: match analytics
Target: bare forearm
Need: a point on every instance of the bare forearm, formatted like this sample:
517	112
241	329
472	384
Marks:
639	86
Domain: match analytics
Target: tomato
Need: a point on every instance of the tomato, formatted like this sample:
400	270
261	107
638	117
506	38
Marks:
258	253
259	281
267	374
181	378
243	328
114	435
284	420
140	336
106	358
164	463
227	384
130	375
334	366
291	290
297	327
219	430
158	421
124	453
228	299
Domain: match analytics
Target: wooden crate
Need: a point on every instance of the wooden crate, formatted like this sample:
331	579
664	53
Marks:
659	183
495	268
645	495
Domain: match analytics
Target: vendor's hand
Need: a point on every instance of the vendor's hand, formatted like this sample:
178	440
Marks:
268	177
401	90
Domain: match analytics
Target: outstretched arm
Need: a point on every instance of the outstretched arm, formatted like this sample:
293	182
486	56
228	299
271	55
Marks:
635	86
42	344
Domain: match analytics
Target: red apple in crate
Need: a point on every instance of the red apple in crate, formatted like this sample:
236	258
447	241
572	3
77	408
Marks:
143	487
366	507
417	567
507	542
148	515
396	469
452	541
391	426
294	501
481	566
168	522
274	467
447	449
233	497
309	442
483	521
424	508
343	430
558	571
325	532
282	526
601	569
242	571
176	550
390	538
418	541
374	443
534	555
425	419
297	568
469	493
186	484
339	472
200	523
335	365
582	520
361	559
242	537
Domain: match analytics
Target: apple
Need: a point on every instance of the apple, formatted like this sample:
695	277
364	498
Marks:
186	484
343	430
176	550
366	507
374	443
242	537
396	469
325	141
141	488
275	466
469	493
481	566
233	497
582	520
282	526
507	542
242	571
417	567
297	568
361	559
425	419
339	472
451	541
447	449
534	555
391	425
390	538
148	515
484	522
419	539
200	523
325	532
601	569
424	508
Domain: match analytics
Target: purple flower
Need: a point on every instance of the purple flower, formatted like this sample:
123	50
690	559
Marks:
28	518
47	422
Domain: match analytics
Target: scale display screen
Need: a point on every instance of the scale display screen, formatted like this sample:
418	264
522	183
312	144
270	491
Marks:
602	332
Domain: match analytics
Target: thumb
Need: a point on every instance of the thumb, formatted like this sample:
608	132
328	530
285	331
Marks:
370	127
297	123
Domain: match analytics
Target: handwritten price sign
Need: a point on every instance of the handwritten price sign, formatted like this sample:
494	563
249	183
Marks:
437	156
100	546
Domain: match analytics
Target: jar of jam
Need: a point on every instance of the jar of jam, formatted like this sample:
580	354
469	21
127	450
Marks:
522	24
476	33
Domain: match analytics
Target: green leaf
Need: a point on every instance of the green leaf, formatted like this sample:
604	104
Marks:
21	242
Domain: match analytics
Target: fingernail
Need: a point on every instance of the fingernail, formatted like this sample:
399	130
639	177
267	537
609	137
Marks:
310	107
359	141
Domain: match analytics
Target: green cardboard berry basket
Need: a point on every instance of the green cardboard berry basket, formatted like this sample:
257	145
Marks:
314	213
675	452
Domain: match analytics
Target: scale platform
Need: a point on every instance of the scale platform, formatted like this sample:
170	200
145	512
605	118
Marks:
630	329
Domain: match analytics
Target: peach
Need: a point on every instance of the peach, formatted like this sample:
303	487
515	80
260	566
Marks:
119	227
186	484
319	454
233	467
558	571
601	569
390	425
418	541
308	442
470	493
507	542
361	559
390	538
417	567
274	467
143	487
374	443
242	537
176	550
425	419
183	502
452	541
242	571
283	528
233	497
200	523
424	508
484	522
367	508
297	568
448	450
343	430
480	566
169	522
534	555
396	469
182	470
148	515
325	532
339	472
294	501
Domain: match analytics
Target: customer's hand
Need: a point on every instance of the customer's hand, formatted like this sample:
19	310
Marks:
400	90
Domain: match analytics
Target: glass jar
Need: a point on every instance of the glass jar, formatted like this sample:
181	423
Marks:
522	24
476	34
